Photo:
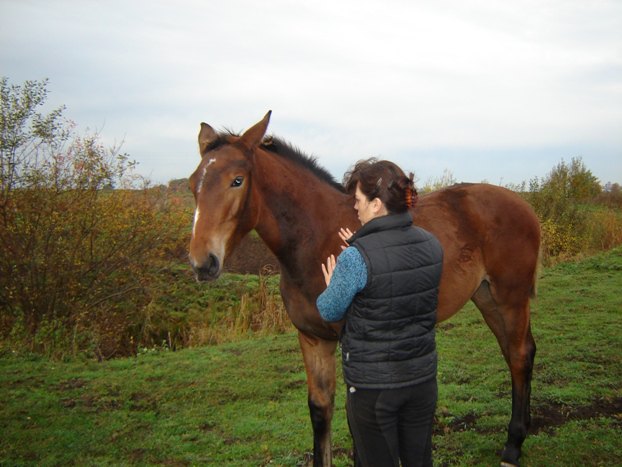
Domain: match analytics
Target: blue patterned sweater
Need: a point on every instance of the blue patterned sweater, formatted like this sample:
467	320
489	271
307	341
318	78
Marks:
349	278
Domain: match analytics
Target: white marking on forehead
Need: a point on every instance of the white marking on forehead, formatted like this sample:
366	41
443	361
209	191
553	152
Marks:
203	172
196	219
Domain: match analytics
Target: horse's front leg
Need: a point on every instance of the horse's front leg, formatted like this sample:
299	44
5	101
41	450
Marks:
319	359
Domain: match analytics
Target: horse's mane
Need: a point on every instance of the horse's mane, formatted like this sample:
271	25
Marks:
292	153
287	151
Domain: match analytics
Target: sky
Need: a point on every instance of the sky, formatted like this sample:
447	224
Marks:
483	90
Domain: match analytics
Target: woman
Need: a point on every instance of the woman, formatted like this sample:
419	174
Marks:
385	285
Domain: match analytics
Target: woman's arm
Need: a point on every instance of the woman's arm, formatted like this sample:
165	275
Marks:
348	277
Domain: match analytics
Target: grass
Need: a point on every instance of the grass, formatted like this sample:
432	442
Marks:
244	403
195	406
576	395
185	313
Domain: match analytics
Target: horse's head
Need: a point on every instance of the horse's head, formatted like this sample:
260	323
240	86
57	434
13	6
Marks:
221	185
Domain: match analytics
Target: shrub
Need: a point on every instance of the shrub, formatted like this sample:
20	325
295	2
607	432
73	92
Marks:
611	196
80	232
603	229
559	200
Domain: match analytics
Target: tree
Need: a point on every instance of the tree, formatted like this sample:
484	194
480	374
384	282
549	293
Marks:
75	256
557	199
584	186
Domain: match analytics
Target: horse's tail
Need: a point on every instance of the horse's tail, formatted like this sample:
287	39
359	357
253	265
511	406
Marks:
533	293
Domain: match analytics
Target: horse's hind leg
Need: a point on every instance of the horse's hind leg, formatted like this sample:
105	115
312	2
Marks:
508	317
319	358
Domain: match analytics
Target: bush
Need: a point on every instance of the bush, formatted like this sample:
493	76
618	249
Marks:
80	233
611	196
603	229
560	201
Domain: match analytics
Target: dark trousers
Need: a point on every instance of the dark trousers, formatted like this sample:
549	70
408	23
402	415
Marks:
389	425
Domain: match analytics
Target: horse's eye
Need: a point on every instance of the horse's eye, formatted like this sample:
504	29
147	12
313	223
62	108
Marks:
237	181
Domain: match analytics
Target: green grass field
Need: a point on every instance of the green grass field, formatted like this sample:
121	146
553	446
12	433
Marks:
244	403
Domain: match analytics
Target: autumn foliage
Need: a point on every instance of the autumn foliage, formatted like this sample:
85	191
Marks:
576	214
80	234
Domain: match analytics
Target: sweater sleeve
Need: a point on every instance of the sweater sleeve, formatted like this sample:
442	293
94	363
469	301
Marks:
349	278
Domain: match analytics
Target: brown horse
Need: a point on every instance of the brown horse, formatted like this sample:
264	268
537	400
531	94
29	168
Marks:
491	239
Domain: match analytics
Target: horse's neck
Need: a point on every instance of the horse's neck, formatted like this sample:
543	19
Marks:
299	215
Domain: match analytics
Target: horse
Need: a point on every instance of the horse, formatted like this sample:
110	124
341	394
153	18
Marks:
490	236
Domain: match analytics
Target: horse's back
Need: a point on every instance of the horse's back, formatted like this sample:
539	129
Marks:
488	233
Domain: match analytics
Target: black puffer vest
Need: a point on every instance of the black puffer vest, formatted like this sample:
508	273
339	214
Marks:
388	340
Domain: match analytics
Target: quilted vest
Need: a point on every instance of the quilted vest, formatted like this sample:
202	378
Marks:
388	340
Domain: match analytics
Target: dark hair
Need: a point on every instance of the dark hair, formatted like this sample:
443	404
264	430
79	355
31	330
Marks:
384	180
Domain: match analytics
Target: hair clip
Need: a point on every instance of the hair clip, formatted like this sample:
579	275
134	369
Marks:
409	197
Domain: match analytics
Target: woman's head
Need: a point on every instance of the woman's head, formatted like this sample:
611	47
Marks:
372	179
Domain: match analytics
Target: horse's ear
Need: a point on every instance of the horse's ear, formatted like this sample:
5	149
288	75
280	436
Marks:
207	136
253	136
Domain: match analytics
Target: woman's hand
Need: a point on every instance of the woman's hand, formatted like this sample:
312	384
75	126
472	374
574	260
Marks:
328	268
345	234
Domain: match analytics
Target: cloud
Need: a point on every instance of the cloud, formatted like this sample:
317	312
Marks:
406	80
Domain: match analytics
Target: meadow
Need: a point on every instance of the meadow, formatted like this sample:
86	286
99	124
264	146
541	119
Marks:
243	403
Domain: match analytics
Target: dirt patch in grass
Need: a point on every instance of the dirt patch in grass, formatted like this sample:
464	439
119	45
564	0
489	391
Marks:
137	455
31	381
547	417
92	403
142	401
451	424
207	426
70	384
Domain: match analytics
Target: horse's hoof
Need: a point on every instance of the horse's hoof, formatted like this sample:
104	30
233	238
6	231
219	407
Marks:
510	456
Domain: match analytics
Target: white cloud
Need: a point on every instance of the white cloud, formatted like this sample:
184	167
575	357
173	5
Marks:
345	79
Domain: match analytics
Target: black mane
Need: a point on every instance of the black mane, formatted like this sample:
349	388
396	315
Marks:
288	151
292	153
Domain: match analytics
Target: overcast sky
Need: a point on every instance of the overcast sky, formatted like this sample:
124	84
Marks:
489	90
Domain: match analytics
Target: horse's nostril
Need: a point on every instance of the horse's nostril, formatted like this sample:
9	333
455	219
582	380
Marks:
213	265
209	270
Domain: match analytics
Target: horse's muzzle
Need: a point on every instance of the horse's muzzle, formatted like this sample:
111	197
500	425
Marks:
209	270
